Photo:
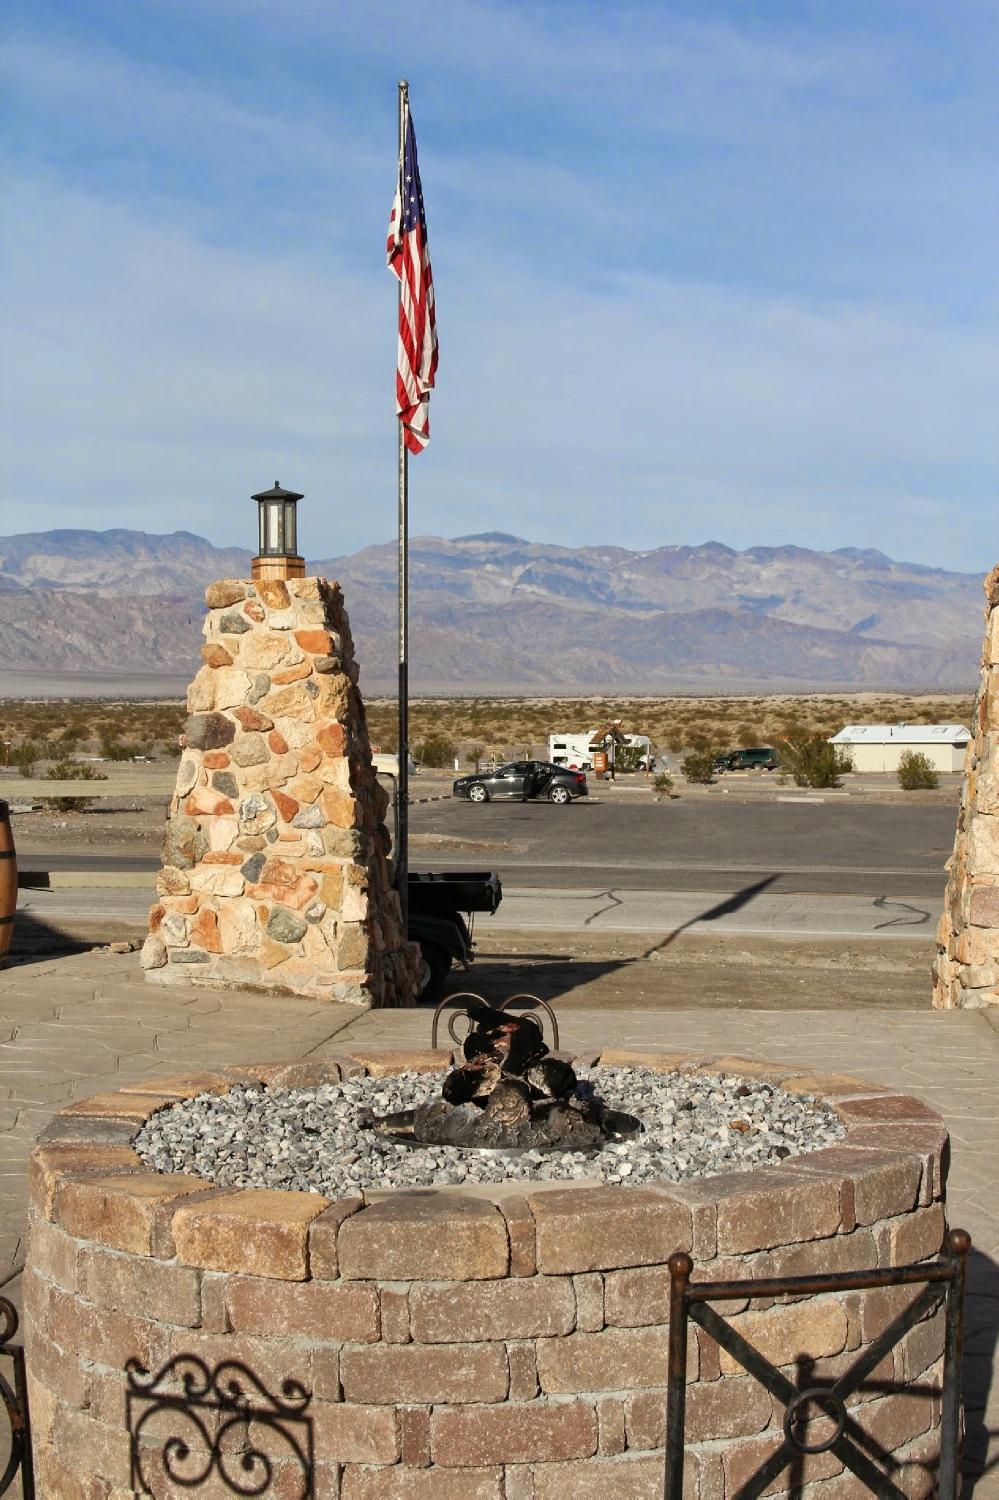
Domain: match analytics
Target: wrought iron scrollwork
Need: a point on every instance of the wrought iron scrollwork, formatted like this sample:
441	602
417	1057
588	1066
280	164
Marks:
942	1283
14	1397
519	1001
229	1426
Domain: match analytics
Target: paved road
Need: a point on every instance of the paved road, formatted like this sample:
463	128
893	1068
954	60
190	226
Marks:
784	869
29	862
863	849
835	847
121	911
752	910
778	870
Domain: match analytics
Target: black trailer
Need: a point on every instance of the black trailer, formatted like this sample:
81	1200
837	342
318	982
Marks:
442	910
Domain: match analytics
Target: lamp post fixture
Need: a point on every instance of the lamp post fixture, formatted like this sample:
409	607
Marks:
277	555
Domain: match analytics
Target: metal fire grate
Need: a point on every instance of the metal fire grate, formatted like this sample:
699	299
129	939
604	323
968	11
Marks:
519	1001
942	1282
15	1403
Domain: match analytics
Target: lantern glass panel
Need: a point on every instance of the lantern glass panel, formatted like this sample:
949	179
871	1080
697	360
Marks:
261	532
290	529
274	529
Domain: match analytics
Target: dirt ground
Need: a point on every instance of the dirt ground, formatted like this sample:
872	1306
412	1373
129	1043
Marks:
623	970
133	829
629	971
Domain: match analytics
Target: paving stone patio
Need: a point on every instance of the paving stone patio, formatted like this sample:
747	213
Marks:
72	1026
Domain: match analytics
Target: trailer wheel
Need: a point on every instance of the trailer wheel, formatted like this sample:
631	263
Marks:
435	966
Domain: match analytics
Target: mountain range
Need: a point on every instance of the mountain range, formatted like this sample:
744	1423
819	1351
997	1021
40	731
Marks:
495	613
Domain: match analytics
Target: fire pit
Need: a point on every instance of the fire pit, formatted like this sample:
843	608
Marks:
508	1108
509	1093
507	1338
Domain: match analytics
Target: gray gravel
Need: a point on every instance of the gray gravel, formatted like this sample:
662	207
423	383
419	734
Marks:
308	1139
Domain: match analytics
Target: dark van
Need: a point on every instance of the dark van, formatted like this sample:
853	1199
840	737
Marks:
761	758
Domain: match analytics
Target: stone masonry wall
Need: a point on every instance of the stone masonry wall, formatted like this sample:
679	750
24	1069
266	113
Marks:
274	859
966	971
495	1343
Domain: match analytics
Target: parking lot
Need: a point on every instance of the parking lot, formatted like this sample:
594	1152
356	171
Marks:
830	847
736	897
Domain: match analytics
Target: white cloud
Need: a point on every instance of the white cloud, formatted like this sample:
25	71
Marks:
159	380
759	309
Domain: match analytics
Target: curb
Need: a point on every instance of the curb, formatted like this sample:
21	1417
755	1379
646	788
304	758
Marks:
54	880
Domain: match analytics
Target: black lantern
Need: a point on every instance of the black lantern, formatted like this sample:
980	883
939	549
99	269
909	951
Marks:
277	548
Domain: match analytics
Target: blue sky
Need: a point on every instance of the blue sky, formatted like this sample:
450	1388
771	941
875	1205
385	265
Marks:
703	270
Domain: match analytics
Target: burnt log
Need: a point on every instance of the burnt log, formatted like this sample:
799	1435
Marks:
473	1081
552	1078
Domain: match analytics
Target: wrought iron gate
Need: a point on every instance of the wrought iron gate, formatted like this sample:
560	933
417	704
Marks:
942	1282
14	1395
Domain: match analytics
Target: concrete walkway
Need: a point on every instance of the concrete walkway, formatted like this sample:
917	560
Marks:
72	1026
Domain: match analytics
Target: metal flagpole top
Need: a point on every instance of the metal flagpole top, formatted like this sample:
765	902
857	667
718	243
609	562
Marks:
403	120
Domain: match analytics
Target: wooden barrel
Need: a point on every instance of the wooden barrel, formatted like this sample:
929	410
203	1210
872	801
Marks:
8	883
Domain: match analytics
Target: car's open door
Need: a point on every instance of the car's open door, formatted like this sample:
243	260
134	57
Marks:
543	775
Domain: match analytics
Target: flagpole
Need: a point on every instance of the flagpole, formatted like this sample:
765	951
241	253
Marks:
402	848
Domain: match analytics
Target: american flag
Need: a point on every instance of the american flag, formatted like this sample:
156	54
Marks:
408	257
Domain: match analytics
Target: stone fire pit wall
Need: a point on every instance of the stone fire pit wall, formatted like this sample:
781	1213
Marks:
274	861
482	1344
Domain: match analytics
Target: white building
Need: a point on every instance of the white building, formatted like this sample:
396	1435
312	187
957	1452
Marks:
879	747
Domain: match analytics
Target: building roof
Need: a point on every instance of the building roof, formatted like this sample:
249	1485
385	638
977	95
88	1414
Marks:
902	734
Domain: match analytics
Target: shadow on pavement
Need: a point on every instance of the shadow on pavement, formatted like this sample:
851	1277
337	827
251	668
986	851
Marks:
699	963
981	1334
722	909
35	941
551	974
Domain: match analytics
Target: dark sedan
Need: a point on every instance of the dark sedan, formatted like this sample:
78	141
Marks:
523	781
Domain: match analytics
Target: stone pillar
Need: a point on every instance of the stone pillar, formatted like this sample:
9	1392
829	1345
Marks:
966	971
274	861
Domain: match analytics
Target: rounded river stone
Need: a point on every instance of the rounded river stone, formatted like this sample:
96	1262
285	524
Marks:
209	731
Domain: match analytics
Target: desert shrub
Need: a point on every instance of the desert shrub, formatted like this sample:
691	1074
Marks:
436	751
674	742
170	747
629	758
71	770
117	750
25	758
699	767
812	761
916	772
475	756
663	785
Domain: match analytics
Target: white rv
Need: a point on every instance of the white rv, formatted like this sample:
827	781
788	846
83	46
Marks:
573	750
